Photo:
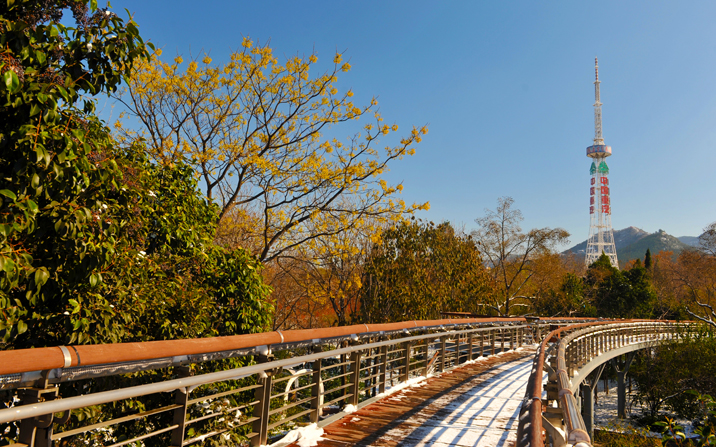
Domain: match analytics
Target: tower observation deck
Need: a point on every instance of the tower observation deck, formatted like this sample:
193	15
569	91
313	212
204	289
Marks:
601	237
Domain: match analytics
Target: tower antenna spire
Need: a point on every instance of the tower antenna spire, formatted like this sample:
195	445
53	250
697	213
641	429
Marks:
598	138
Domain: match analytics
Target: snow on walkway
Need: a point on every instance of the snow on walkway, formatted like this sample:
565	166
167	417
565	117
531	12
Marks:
482	411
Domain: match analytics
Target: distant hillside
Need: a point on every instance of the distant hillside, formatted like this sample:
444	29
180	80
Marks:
622	238
656	242
632	243
689	240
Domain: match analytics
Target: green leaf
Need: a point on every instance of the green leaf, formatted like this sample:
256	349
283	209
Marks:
11	80
21	327
41	276
9	265
63	93
34	110
9	194
93	5
32	206
94	279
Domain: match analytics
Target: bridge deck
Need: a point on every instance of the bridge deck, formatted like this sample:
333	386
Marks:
475	405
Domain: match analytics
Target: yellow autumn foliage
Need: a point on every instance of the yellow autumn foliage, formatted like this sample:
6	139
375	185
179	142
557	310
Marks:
254	130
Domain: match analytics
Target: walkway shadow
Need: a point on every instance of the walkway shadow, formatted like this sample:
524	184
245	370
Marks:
433	431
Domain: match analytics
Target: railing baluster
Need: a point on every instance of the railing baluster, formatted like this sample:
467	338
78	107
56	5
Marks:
261	410
181	397
492	340
355	376
383	367
406	362
316	388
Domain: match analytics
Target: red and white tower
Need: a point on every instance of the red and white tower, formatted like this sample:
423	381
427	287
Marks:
601	238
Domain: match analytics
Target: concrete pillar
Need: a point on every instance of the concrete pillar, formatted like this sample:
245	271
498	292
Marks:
587	407
621	385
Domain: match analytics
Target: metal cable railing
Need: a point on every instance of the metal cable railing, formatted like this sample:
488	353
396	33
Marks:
574	351
184	394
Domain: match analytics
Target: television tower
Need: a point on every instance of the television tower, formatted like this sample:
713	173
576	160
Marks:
601	238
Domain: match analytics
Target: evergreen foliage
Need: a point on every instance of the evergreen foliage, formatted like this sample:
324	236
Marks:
97	244
418	270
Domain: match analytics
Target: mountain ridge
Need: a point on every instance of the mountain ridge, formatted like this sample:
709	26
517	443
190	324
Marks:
632	243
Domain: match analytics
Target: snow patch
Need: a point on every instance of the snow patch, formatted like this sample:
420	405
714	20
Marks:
412	383
307	436
350	409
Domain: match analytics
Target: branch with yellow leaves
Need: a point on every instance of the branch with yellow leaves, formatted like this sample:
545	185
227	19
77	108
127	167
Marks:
254	131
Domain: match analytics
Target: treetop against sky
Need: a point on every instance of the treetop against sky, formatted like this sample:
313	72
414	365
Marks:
506	90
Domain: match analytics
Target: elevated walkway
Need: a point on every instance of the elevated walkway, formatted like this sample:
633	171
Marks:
474	405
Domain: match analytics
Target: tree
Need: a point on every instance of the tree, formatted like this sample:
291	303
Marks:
418	270
97	244
665	373
254	131
647	259
620	294
52	246
707	240
569	299
510	253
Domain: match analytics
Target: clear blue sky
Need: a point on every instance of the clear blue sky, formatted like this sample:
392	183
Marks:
506	89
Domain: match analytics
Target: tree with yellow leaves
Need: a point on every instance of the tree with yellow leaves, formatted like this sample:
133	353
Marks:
254	131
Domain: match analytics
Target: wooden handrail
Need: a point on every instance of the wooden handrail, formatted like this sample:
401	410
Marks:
47	358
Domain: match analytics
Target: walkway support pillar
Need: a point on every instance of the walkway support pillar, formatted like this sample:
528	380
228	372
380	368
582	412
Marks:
586	390
621	387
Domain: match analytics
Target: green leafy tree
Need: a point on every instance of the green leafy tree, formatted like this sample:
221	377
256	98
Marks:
647	259
97	244
618	294
55	181
420	269
665	374
570	299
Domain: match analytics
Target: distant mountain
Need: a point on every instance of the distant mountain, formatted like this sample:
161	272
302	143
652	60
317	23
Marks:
656	242
689	240
622	238
632	243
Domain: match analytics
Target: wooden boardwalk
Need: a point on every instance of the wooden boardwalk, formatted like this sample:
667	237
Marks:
475	405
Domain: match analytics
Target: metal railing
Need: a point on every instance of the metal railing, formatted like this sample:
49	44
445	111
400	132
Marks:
247	388
574	352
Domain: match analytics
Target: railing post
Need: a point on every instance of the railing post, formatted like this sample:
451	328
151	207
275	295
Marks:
470	342
442	353
482	344
502	340
37	431
426	350
383	368
492	340
316	388
406	362
181	397
261	409
355	376
457	351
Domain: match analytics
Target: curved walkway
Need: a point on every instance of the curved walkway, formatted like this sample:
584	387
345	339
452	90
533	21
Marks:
475	405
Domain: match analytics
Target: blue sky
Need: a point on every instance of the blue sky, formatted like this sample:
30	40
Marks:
506	90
